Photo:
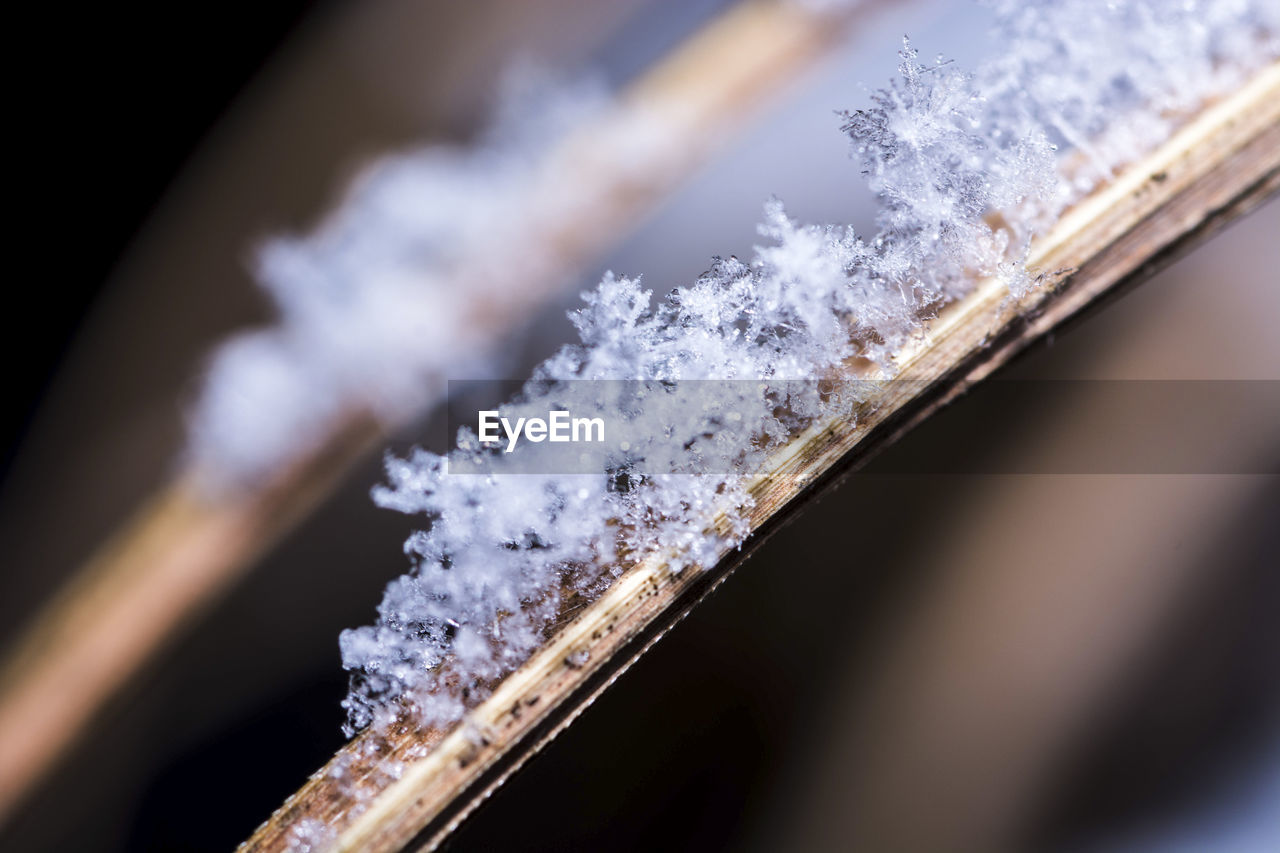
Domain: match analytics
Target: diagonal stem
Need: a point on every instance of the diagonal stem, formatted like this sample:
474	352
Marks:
396	787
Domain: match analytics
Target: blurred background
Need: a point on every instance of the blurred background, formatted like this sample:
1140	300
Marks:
1033	656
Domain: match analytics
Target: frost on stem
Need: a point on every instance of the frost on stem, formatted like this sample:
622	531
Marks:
938	162
943	150
1076	67
376	306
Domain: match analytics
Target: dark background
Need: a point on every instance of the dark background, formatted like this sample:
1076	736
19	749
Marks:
113	101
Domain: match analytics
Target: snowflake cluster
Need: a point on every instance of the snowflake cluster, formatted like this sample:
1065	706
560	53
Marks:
1074	67
943	149
375	305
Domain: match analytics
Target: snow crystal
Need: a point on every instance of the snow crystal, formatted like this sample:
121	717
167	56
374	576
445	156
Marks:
1077	65
943	149
310	835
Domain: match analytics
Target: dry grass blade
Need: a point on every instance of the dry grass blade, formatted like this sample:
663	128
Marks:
183	549
390	789
178	553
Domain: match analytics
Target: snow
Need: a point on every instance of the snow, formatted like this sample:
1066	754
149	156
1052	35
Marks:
377	306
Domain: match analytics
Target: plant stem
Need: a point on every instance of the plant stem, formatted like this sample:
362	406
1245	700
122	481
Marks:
394	787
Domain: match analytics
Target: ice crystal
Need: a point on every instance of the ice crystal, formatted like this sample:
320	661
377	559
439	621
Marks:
1077	66
943	150
310	835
